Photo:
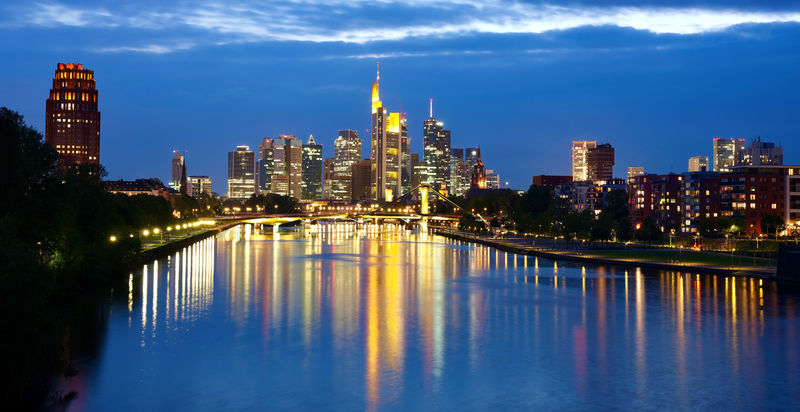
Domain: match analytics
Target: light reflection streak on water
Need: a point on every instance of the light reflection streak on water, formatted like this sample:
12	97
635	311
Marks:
398	313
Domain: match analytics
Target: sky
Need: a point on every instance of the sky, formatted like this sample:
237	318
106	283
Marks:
657	79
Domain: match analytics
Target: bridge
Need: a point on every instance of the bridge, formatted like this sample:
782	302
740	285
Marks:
391	210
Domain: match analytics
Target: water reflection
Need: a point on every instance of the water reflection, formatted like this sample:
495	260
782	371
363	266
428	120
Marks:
341	316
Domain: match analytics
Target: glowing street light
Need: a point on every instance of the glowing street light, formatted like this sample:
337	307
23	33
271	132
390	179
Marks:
113	238
146	232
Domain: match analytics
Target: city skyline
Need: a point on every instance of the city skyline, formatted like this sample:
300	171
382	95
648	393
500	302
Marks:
656	91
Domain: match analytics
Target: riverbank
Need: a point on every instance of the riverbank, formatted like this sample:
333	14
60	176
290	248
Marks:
173	246
758	272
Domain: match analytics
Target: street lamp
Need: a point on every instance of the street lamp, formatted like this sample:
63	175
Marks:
113	238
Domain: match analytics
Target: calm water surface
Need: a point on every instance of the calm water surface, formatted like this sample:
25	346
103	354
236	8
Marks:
342	320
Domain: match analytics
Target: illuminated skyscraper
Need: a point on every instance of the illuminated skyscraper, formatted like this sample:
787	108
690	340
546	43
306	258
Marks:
346	152
471	155
386	149
287	172
405	150
436	151
266	165
580	152
312	170
727	153
178	167
72	123
241	173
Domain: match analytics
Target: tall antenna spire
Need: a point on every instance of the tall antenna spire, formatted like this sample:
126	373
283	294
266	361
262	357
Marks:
378	72
431	108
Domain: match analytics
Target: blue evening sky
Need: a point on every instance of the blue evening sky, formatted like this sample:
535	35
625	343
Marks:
657	79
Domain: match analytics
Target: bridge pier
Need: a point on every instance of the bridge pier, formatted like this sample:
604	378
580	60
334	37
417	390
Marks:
276	228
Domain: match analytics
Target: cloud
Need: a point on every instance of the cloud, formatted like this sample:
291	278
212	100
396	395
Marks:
364	22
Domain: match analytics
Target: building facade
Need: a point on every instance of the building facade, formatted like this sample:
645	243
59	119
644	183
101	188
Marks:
659	196
312	170
346	152
600	162
266	165
634	171
701	199
287	173
72	122
698	164
551	180
752	192
178	171
361	180
580	153
241	173
759	153
436	151
727	153
199	185
386	146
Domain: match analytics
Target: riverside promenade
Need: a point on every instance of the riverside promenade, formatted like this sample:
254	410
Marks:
682	260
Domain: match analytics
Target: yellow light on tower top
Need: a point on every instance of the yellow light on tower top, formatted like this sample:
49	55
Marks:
376	99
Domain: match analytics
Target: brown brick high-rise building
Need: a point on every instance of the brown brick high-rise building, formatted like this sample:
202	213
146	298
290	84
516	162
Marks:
72	126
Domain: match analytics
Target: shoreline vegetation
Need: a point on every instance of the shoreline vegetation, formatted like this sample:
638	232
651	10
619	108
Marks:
657	258
66	242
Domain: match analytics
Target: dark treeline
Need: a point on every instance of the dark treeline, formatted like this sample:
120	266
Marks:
539	211
55	228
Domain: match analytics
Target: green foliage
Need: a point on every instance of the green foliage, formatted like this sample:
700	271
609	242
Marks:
54	229
273	203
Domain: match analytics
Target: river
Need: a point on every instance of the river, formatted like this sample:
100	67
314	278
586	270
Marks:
385	319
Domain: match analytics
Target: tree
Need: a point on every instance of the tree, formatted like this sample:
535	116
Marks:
772	224
649	231
274	203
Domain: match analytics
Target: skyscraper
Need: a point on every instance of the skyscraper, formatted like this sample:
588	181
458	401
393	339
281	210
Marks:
72	123
580	153
600	162
177	171
346	152
312	170
727	153
471	155
759	153
698	164
386	149
436	150
241	173
405	160
266	165
361	180
327	176
456	158
287	166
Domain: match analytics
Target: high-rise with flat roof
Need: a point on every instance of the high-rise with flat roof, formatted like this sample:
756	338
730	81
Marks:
436	151
241	173
178	170
698	164
600	162
266	165
346	152
727	153
199	185
287	166
580	154
312	170
759	153
72	121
